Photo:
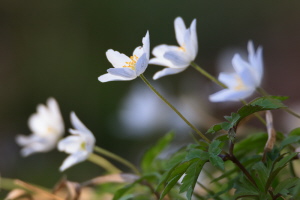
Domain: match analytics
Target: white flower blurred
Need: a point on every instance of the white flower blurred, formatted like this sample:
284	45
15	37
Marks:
47	128
245	80
79	145
126	68
175	58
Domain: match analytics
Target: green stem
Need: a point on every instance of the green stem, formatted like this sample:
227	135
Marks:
102	162
8	184
117	158
174	109
265	94
206	74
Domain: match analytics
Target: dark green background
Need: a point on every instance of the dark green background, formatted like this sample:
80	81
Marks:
57	48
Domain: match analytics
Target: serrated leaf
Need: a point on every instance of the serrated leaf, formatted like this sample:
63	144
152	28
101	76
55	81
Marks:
260	175
214	147
215	128
216	161
197	153
190	179
148	164
173	175
245	146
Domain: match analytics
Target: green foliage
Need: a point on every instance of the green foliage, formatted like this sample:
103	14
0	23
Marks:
148	163
257	105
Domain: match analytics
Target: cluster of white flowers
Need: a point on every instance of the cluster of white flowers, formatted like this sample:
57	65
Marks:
47	128
176	59
47	125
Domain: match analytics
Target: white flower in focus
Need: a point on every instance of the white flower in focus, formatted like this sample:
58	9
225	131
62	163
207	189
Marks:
127	68
177	58
247	78
47	128
79	145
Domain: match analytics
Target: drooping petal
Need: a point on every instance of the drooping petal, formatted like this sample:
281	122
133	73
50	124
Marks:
116	58
146	44
179	30
160	50
239	64
189	47
109	77
124	72
167	71
74	159
178	58
141	64
230	95
256	61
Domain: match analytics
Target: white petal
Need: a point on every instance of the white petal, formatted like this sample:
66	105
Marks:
73	159
189	46
239	64
178	58
141	64
139	51
179	30
194	39
146	44
256	61
77	124
161	61
230	95
109	77
160	50
167	71
228	79
116	58
124	72
70	144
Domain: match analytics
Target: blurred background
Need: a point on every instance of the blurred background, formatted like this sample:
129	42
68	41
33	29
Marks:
57	49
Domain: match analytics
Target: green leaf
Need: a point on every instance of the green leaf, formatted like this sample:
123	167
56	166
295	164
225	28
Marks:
148	161
215	128
197	153
190	179
214	150
284	186
245	146
295	132
173	175
289	140
260	174
216	161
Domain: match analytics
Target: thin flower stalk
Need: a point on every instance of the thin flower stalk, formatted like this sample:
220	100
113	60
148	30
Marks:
102	162
117	158
174	109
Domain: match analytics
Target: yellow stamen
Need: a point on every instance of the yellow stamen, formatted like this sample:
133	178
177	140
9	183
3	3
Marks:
131	64
182	49
240	84
83	146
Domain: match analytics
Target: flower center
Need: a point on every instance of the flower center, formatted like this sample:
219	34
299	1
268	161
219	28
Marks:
182	49
240	84
83	146
131	64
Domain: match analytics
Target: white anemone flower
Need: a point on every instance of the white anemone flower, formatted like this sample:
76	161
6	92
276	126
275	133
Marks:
247	78
127	68
80	145
47	128
177	58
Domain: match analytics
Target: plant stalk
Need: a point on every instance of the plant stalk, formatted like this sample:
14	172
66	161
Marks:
174	109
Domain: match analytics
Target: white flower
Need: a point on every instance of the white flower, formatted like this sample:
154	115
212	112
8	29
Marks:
47	128
126	68
247	78
79	145
175	58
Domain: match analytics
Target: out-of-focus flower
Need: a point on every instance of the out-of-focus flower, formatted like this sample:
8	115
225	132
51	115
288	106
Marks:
175	58
247	78
79	145
127	68
47	128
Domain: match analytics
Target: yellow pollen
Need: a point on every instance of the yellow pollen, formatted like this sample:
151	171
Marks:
182	48
131	64
83	146
240	85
